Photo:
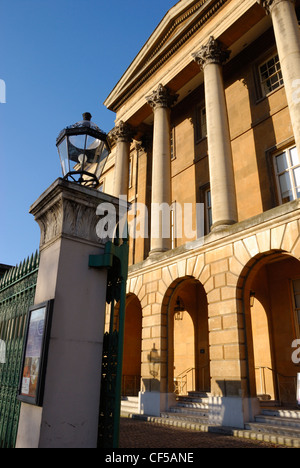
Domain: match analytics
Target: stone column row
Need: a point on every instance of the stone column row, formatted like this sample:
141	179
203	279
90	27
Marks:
210	58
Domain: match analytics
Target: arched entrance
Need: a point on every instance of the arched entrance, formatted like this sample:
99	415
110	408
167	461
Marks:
271	295
131	374
188	347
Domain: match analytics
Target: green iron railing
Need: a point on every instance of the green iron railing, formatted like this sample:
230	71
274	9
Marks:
17	291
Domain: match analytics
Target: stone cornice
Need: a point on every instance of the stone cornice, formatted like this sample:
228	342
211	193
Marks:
152	58
212	52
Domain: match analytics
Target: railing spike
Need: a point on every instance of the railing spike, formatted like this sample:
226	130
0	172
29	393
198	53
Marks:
21	269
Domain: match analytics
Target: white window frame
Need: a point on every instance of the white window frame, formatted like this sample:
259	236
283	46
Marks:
130	171
290	170
173	143
277	75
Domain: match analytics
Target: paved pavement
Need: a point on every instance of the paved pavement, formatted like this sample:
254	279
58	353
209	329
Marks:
142	434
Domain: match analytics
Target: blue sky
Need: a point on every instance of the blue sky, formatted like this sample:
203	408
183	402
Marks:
58	59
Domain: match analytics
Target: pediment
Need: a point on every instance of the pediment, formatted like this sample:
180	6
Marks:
178	25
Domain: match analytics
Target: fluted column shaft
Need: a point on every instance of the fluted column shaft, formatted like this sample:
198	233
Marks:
161	101
287	36
224	210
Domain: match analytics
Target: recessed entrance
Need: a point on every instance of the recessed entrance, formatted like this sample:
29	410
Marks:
271	296
188	348
131	375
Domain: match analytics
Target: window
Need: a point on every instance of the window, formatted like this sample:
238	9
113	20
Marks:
130	173
208	210
173	225
296	294
201	129
270	75
287	170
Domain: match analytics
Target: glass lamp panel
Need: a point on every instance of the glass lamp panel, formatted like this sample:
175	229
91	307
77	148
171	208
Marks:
76	146
63	155
102	160
93	149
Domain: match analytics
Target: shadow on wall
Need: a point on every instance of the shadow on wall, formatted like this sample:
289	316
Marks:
152	384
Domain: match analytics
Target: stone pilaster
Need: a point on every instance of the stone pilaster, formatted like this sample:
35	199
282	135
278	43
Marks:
123	135
210	58
287	36
161	101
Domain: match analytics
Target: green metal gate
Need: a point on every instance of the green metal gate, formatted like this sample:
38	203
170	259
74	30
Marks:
17	290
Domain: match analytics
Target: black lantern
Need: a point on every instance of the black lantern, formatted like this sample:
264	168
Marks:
179	309
83	150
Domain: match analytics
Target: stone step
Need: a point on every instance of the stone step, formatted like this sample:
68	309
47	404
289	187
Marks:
195	394
129	405
189	411
277	421
281	413
193	404
273	429
192	400
192	418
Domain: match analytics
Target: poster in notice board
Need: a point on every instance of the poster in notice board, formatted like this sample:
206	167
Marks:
33	370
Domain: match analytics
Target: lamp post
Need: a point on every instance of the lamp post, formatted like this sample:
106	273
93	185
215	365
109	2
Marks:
83	150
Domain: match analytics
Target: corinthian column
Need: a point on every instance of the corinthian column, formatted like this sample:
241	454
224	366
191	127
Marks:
161	101
210	58
122	134
287	36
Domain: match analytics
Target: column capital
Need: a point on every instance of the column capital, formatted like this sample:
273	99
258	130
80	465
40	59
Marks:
269	4
212	52
122	132
162	97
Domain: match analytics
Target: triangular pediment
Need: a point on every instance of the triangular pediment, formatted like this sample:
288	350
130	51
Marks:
178	25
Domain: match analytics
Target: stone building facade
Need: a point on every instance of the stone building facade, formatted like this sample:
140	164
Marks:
207	115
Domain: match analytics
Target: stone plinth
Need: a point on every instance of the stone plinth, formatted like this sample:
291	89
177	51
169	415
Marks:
66	214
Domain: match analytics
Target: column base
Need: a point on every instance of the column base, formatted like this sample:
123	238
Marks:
157	252
222	224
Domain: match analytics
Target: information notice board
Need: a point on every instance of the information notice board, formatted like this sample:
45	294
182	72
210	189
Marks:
31	386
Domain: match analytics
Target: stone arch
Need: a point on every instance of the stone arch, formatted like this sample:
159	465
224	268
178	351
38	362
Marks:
265	298
187	347
131	373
